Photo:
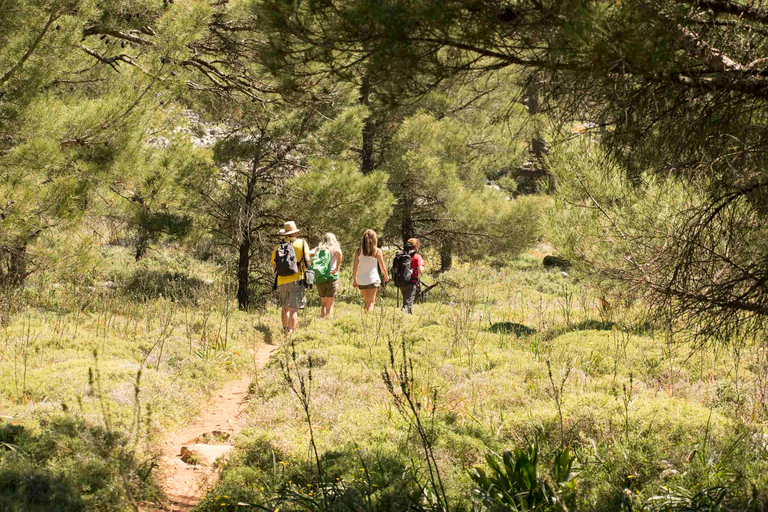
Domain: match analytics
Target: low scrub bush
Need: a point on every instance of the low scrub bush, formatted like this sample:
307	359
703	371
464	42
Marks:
66	465
148	284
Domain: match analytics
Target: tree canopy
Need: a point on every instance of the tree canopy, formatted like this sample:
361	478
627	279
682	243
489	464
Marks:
676	90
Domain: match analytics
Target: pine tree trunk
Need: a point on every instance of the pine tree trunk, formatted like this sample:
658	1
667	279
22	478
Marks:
17	267
141	246
367	162
244	256
446	257
407	229
538	144
243	265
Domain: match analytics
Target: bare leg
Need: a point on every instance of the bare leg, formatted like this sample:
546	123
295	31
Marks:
329	307
369	296
293	318
284	317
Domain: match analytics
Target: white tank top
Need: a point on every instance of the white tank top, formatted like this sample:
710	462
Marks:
367	269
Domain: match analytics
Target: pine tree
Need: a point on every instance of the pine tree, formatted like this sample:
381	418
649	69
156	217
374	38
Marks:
74	92
264	130
437	174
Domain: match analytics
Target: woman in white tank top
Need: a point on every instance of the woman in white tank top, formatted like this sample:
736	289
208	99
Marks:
365	271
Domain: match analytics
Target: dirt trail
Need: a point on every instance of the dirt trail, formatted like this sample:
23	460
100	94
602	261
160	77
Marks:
185	484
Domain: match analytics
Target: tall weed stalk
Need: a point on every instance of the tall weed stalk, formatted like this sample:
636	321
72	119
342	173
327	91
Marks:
401	385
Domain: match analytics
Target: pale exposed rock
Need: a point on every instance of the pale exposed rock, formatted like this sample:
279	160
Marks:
667	473
203	454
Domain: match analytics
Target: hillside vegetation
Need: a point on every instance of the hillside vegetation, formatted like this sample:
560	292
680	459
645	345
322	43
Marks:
499	358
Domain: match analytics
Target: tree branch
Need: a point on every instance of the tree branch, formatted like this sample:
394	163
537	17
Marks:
734	9
96	30
51	19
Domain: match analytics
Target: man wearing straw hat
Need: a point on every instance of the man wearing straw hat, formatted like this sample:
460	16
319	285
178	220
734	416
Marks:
289	260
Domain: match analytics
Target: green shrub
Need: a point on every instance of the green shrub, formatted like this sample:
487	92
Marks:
67	465
147	284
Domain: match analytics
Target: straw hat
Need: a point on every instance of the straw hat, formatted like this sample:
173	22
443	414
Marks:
289	228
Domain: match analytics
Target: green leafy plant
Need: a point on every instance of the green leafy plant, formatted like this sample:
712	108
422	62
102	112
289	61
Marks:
680	498
214	349
514	483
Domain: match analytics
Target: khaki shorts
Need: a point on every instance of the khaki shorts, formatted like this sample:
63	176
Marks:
292	295
369	286
327	289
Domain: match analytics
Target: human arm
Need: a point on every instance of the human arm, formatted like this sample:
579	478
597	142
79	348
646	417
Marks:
335	270
307	254
354	268
382	266
419	265
272	260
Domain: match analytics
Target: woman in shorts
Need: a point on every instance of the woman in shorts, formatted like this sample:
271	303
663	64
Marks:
365	271
328	289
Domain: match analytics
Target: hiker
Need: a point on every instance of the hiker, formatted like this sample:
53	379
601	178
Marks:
326	262
406	270
365	271
289	261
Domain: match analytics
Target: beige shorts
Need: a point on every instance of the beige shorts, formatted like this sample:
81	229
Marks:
369	286
327	289
292	295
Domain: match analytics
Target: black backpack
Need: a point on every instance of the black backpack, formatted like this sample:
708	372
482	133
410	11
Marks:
401	268
285	260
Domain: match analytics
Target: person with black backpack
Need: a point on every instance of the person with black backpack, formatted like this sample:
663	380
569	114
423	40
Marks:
406	270
290	260
326	262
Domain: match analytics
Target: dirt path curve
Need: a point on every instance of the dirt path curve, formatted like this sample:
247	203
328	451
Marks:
184	484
